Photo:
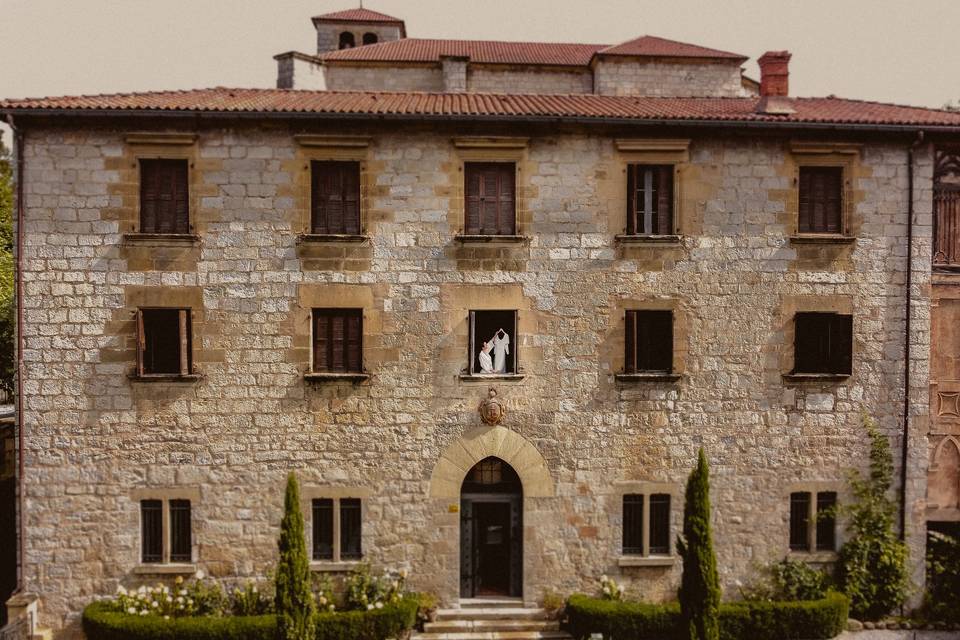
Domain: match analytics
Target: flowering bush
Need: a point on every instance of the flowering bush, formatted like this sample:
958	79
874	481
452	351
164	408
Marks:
326	601
609	589
194	599
250	601
366	591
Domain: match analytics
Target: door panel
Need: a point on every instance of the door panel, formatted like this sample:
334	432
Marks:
466	548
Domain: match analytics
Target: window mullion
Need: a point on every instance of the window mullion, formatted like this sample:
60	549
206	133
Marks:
336	529
645	526
165	529
812	522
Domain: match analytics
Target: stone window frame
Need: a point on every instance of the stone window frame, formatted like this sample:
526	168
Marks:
846	156
617	353
336	296
311	492
160	146
165	495
674	152
492	149
183	297
324	148
646	489
813	487
790	306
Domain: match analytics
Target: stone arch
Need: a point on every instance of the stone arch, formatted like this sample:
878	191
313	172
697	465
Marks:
483	442
346	40
370	38
943	485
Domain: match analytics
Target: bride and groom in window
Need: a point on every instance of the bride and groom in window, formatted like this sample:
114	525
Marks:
499	344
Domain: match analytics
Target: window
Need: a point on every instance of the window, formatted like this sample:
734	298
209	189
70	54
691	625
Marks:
821	197
338	340
493	342
164	342
804	511
164	197
347	40
490	198
646	534
335	197
648	342
823	343
165	531
337	529
369	38
649	199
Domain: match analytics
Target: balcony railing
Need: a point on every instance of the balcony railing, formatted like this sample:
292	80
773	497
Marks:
946	227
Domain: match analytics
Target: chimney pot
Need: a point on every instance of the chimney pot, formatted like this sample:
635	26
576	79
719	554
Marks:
774	73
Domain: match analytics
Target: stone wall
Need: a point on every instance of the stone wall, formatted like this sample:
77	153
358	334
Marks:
504	79
383	78
631	77
328	34
96	439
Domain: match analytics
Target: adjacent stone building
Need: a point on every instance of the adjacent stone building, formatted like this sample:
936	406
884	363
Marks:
487	300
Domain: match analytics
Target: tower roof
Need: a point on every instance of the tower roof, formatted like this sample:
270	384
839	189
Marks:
356	15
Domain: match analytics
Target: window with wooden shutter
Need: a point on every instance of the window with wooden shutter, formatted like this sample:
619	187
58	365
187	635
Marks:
335	197
164	196
800	521
337	340
164	342
490	198
350	534
821	200
151	531
826	521
659	524
323	529
649	199
181	543
823	343
648	341
633	524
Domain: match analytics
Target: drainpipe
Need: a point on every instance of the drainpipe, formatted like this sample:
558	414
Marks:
18	388
906	340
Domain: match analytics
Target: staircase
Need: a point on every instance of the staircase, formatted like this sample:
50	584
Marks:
492	619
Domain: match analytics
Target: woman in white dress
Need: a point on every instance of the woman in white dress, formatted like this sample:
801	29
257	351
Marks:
501	347
486	364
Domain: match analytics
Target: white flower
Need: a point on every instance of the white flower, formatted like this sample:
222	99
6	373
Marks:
121	591
169	599
132	610
183	592
154	604
144	612
166	617
369	607
331	608
200	574
180	599
379	605
606	590
254	589
142	589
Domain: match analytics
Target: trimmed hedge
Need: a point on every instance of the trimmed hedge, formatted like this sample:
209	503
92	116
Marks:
102	622
802	620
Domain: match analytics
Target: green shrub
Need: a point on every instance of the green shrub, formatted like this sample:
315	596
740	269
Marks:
810	620
786	581
366	591
389	622
101	621
250	601
699	585
943	579
294	598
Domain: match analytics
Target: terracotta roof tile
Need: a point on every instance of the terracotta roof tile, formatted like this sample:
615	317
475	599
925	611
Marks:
357	15
480	51
663	48
834	111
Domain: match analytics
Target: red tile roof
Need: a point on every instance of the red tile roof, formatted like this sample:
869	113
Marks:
587	107
357	15
652	46
480	51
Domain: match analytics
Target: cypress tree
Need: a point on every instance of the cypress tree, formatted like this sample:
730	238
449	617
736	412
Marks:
294	598
699	587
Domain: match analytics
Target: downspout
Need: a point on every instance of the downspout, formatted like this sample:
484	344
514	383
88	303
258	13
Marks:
904	450
18	389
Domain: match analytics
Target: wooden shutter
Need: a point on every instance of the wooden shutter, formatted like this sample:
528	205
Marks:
321	341
338	340
335	197
823	343
841	344
633	524
659	524
799	521
649	199
353	340
151	531
181	549
350	529
141	343
820	200
664	187
490	198
164	196
651	349
323	529
630	342
473	355
165	342
826	521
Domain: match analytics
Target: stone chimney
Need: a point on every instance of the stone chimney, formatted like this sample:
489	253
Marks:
454	73
774	73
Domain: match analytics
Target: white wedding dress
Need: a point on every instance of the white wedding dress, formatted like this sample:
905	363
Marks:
501	347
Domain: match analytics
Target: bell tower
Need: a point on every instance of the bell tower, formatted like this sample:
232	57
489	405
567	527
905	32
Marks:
355	28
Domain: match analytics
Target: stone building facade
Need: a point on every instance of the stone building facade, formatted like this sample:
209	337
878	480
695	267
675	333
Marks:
398	437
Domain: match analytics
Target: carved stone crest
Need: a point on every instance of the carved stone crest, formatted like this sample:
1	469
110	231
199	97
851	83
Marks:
491	410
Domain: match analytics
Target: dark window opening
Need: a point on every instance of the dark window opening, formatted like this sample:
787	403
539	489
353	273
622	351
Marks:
164	342
164	197
823	343
799	521
347	40
151	531
181	549
660	524
338	340
323	529
350	529
649	342
821	197
370	38
335	197
493	342
649	199
490	198
826	521
491	475
633	524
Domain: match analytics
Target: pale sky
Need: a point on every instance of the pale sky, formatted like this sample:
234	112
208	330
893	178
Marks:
887	50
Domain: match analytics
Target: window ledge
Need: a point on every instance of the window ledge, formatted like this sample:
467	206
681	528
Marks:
319	376
491	239
161	238
822	238
815	377
626	238
476	377
332	238
331	566
948	268
813	556
164	569
165	377
648	377
646	561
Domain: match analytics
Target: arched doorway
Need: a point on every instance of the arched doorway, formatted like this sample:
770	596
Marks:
491	531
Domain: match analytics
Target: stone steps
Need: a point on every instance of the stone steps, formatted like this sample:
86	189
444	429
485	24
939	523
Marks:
492	619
